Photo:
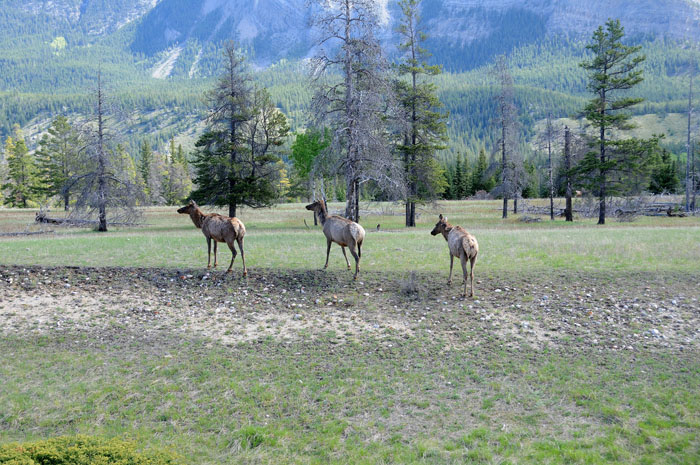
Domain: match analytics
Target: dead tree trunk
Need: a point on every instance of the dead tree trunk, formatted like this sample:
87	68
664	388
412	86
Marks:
567	168
102	169
688	176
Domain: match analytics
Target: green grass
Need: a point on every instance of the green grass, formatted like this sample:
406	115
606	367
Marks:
278	238
437	395
362	403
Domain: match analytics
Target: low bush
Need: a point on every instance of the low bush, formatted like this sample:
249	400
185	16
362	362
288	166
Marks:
82	450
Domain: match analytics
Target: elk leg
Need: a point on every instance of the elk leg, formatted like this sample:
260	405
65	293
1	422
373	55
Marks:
240	246
346	257
233	255
452	262
357	261
208	252
215	260
471	273
463	260
328	252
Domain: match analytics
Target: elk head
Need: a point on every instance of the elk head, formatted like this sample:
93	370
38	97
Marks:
314	206
189	208
440	226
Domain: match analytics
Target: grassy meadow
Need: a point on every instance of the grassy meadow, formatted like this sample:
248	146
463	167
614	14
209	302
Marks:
278	238
581	346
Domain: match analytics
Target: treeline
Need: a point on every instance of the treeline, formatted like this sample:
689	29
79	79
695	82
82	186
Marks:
50	176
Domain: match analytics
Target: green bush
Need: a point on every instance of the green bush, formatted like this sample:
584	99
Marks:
82	450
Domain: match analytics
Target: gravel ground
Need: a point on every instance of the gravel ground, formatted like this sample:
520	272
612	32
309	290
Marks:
563	311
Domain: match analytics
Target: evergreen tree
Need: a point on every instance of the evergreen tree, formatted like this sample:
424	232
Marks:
236	159
306	149
664	176
22	172
458	180
58	159
479	173
173	151
220	152
424	125
144	167
531	188
613	69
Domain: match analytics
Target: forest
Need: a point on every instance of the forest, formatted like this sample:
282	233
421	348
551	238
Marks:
159	120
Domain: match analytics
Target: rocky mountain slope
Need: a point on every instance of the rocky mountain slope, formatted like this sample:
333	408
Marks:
464	33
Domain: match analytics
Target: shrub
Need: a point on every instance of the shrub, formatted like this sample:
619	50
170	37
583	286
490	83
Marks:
82	450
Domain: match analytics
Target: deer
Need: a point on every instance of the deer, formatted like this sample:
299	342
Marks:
462	245
219	228
342	231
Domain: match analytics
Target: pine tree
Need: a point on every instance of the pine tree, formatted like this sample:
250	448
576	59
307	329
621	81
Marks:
458	179
479	173
425	129
144	167
22	172
236	159
58	159
664	176
613	69
219	159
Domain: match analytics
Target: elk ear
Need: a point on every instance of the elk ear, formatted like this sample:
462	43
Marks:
440	215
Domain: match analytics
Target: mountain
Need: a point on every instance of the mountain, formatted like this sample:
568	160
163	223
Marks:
274	29
91	17
158	56
464	33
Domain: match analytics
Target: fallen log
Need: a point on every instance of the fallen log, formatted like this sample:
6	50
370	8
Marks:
26	233
42	218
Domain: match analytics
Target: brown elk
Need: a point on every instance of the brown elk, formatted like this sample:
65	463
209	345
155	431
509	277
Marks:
462	245
219	228
342	231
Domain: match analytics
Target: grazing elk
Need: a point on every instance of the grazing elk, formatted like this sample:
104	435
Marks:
462	245
342	231
219	228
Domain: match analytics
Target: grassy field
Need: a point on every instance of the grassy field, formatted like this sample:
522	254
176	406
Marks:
582	345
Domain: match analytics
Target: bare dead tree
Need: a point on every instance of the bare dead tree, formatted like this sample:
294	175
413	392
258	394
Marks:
105	188
507	115
549	136
569	212
688	146
354	105
693	179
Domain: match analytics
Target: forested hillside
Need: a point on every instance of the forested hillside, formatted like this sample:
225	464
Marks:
50	54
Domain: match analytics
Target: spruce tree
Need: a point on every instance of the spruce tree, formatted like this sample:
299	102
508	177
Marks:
58	158
144	167
613	69
220	151
236	160
425	129
22	172
479	173
664	176
458	179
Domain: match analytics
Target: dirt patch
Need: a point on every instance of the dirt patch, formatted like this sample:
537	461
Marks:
565	312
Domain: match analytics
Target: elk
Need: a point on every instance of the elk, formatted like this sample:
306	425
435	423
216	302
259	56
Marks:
342	231
462	245
219	228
